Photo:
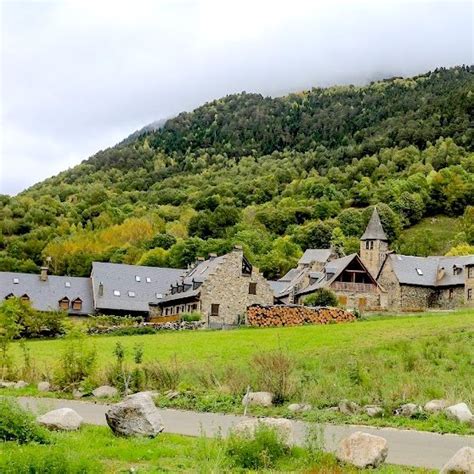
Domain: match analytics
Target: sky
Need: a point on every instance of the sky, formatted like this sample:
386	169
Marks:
79	76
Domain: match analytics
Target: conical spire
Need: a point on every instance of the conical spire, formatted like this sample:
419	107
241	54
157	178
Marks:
374	229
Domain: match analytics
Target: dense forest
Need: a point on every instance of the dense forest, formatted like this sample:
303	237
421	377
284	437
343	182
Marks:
276	175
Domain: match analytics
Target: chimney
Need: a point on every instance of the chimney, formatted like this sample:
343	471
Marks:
440	273
44	274
101	289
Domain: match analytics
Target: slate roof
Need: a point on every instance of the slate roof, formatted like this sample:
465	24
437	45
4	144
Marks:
374	229
45	295
315	255
278	286
423	271
154	282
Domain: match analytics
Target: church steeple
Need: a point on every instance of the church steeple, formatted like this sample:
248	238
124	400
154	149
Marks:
373	244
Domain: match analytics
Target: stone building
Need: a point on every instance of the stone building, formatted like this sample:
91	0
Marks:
374	244
469	282
221	288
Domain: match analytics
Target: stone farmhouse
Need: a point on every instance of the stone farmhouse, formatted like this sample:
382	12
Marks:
221	288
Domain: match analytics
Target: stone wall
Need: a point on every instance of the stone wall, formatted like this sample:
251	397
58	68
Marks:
228	288
373	258
469	285
389	282
368	301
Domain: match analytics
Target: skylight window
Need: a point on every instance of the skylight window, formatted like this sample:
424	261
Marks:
131	294
16	281
138	278
159	296
418	270
67	284
116	292
148	279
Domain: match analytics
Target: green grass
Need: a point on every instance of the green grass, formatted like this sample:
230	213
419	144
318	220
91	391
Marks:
96	449
431	236
383	360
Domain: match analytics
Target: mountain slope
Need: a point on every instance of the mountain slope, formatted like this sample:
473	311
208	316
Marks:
275	174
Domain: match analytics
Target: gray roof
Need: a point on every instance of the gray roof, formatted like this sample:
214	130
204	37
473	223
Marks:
315	255
278	287
45	295
423	271
374	229
134	295
291	275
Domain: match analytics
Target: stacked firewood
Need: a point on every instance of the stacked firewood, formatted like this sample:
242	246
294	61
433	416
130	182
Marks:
282	315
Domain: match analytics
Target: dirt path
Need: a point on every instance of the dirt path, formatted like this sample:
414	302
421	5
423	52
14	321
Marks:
406	447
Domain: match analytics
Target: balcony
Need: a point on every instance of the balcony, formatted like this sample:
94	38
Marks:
355	287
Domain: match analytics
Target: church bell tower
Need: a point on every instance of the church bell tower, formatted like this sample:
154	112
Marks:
373	244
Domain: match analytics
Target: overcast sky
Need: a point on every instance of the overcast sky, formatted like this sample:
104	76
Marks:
79	76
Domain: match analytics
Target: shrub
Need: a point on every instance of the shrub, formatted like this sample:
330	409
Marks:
99	322
260	451
19	425
189	317
275	374
321	297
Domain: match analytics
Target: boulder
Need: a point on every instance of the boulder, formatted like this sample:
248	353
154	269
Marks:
21	384
135	416
263	399
409	410
7	384
363	450
373	410
283	427
435	406
63	419
148	393
348	408
461	463
77	394
105	391
44	386
459	412
299	407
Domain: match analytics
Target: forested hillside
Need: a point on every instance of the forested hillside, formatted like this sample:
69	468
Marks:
276	175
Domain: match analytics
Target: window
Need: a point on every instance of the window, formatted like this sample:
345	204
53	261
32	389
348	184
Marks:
148	279
342	300
67	284
419	271
64	304
158	296
25	297
469	294
451	293
77	304
16	281
116	292
369	244
214	309
137	278
252	288
131	294
470	272
362	302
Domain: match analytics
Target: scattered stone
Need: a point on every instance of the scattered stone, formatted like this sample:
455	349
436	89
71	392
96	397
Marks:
461	463
105	391
459	412
7	384
435	406
283	427
408	410
264	399
299	407
77	394
373	410
363	450
148	393
21	384
171	394
333	409
63	419
135	416
348	408
44	386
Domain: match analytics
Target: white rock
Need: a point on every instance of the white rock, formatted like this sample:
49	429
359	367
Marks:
459	412
409	410
62	419
347	407
77	394
283	427
363	450
299	407
135	416
435	406
21	384
7	384
44	386
148	393
461	463
264	399
105	391
373	410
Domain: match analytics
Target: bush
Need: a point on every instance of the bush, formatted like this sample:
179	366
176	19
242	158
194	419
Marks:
189	317
321	297
260	451
19	425
275	374
98	322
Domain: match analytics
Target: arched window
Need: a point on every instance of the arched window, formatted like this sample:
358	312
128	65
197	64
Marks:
77	304
10	296
64	303
25	298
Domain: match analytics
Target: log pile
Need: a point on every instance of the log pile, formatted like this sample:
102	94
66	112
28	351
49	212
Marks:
283	315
